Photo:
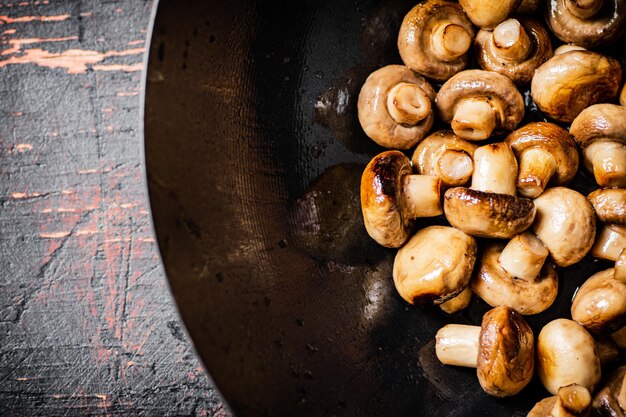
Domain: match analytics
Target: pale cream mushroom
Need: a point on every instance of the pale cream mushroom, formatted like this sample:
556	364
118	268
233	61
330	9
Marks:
610	241
435	265
489	208
565	223
487	13
477	103
547	155
600	130
611	399
570	82
501	349
567	354
609	205
445	155
458	303
395	107
570	401
515	275
435	38
392	197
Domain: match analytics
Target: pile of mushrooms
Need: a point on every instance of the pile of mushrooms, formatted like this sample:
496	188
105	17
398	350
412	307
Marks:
498	186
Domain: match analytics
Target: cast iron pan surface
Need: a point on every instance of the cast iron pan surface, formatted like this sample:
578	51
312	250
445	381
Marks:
254	156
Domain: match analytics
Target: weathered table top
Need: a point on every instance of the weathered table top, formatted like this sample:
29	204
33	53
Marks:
87	325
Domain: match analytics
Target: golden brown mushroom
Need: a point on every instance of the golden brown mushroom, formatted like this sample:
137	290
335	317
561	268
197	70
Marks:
600	130
571	401
587	23
487	13
435	38
609	205
395	107
515	48
477	103
570	82
547	154
435	265
502	350
391	197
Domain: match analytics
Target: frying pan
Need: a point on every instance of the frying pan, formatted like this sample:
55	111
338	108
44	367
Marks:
254	156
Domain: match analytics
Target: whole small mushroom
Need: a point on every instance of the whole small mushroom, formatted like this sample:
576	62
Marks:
570	401
435	38
490	208
609	205
547	154
487	14
395	107
587	23
610	401
570	82
392	196
501	349
515	275
600	130
515	48
567	354
565	223
610	241
477	103
445	155
435	265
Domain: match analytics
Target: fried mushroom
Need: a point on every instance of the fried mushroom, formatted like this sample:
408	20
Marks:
570	401
609	205
486	13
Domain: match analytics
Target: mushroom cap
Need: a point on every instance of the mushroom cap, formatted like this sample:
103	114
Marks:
496	88
600	122
497	287
374	115
553	139
604	27
415	40
520	72
565	223
487	13
568	83
571	401
506	354
567	354
430	149
381	198
484	214
600	303
435	265
606	401
609	205
529	6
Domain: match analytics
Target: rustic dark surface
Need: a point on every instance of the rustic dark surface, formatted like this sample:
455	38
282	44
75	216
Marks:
87	325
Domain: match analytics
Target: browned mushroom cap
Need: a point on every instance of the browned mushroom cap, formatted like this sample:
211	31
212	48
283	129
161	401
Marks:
572	81
611	400
497	287
547	154
477	103
446	156
565	223
601	131
587	22
435	38
391	197
435	265
609	204
567	354
487	13
515	48
395	107
506	355
600	303
571	401
529	6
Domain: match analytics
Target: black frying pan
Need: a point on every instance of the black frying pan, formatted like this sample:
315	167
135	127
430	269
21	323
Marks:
254	157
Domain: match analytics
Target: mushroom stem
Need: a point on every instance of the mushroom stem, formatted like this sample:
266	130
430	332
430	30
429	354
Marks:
571	400
422	196
408	104
536	168
457	344
450	41
510	41
474	119
495	169
619	273
524	256
568	48
583	9
610	242
454	167
607	160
